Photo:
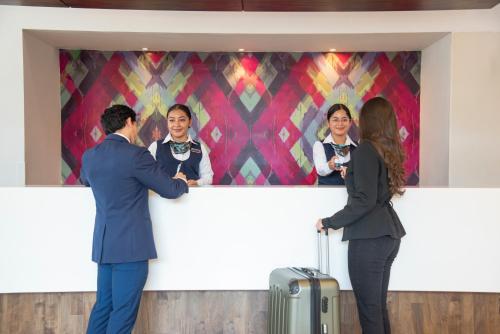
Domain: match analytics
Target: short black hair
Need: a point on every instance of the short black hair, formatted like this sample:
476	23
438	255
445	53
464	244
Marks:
115	117
336	107
181	107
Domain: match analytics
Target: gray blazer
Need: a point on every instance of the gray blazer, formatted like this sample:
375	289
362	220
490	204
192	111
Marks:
368	212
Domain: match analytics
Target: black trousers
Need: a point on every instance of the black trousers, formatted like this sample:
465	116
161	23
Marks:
370	262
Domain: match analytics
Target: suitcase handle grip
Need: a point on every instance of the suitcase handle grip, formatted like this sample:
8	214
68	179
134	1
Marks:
320	248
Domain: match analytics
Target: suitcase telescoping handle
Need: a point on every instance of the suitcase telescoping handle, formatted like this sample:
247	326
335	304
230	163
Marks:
320	252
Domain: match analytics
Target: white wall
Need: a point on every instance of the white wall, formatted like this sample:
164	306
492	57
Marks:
460	118
216	238
475	110
42	110
435	105
12	97
13	19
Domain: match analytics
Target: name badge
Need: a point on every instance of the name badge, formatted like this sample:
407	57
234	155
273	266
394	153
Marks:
195	150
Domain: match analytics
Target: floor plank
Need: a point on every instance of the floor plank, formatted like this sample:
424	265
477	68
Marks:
245	312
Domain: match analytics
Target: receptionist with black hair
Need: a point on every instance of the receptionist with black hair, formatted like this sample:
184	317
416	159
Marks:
333	154
178	152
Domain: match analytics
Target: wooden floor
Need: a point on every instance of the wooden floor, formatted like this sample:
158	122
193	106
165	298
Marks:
227	312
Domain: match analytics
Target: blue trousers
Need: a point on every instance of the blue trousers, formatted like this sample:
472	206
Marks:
119	290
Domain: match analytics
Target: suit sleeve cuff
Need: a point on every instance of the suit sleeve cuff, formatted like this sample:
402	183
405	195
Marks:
327	223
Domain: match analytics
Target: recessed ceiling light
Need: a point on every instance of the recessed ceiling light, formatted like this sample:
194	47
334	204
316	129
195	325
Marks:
145	49
332	50
241	50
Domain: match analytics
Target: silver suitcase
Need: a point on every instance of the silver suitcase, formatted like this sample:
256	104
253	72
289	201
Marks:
304	300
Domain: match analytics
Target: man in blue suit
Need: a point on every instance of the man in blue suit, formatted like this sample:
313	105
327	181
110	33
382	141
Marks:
120	175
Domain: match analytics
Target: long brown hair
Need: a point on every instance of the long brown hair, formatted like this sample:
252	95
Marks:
378	125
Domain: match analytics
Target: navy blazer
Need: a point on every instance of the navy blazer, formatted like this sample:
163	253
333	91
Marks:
120	175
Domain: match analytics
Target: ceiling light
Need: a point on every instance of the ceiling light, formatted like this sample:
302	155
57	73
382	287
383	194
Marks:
145	49
332	50
241	50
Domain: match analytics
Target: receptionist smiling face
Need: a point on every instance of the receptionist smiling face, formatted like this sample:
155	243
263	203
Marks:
339	123
178	123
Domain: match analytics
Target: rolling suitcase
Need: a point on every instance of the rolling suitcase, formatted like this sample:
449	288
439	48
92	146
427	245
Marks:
304	300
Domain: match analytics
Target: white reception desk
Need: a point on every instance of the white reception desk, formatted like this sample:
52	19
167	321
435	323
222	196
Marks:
228	238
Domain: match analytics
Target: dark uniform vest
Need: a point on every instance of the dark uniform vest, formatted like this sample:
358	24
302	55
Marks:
334	178
190	167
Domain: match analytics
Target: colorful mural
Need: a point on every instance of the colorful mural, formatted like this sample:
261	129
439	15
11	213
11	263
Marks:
259	114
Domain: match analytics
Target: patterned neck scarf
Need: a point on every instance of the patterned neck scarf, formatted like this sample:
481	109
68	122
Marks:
180	148
341	149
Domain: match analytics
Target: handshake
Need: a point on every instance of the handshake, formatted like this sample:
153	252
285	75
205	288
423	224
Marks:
182	176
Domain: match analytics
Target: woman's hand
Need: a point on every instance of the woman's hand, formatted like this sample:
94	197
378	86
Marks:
343	171
332	162
319	225
192	183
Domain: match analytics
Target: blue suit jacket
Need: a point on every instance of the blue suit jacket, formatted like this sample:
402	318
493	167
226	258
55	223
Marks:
120	175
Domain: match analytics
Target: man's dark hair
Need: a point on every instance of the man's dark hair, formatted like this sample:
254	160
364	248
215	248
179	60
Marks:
115	117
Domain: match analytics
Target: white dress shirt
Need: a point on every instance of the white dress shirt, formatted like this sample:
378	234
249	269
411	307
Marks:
206	173
319	155
119	134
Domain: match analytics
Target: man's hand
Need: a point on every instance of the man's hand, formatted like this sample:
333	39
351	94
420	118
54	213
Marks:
192	183
182	176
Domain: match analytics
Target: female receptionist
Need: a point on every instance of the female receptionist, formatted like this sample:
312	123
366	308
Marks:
331	155
178	152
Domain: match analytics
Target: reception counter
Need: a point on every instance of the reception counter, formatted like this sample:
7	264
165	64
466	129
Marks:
230	238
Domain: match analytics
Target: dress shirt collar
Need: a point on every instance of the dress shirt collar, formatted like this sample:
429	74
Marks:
121	135
329	139
169	138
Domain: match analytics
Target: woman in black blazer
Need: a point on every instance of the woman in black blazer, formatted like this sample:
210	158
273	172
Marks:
371	225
